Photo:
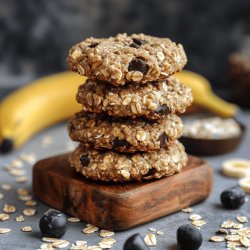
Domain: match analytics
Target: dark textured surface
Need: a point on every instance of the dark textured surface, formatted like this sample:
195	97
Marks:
211	210
36	35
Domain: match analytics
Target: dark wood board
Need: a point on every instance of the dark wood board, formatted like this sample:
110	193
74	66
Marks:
119	206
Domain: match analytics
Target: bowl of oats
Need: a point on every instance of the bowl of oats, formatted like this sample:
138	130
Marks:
212	135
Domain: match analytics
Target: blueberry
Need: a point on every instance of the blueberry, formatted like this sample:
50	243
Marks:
188	238
6	146
53	224
233	198
135	242
163	138
162	110
120	144
84	160
138	64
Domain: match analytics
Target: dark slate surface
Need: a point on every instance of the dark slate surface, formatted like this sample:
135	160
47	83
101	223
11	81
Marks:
211	210
36	35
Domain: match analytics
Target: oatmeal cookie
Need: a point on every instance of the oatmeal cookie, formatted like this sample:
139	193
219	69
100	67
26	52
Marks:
120	167
120	134
137	58
153	101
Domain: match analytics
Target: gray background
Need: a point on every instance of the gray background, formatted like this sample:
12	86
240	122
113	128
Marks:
211	210
36	35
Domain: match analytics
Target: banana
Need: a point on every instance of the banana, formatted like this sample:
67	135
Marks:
36	106
203	95
244	183
236	168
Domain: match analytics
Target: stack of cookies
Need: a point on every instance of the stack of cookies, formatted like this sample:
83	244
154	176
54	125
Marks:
128	128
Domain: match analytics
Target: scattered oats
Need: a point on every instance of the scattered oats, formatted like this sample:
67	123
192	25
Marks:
46	246
233	245
47	140
48	239
20	218
25	197
1	196
106	233
93	248
234	231
89	229
4	217
29	211
245	241
160	232
242	219
4	230
187	210
232	237
79	245
198	223
150	239
73	219
6	187
21	179
29	158
216	238
16	164
223	231
152	229
30	203
194	217
106	243
27	229
9	208
60	243
231	224
16	172
22	191
244	231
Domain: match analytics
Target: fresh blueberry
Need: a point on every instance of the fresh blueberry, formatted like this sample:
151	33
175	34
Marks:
233	198
135	242
53	224
188	238
6	146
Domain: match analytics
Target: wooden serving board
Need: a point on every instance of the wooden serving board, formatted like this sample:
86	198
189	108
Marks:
119	206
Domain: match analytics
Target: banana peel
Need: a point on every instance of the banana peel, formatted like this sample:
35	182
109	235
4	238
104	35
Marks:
204	96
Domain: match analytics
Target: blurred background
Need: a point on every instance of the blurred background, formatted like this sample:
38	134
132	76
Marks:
36	35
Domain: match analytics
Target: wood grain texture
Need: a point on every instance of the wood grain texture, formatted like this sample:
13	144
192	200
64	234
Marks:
117	206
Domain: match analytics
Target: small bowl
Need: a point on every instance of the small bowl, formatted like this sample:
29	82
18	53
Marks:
209	147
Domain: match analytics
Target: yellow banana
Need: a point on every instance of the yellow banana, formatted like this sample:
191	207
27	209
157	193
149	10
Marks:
203	95
36	106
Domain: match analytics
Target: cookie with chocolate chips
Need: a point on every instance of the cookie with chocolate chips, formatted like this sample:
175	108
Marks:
151	100
123	135
136	59
120	167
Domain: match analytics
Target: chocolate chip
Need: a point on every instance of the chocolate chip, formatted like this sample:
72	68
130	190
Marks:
138	64
93	45
137	43
162	110
120	143
84	160
163	138
150	172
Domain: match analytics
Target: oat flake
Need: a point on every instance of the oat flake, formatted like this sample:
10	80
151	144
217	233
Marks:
150	239
29	212
20	218
106	233
216	238
73	219
27	229
4	230
60	243
4	217
9	208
